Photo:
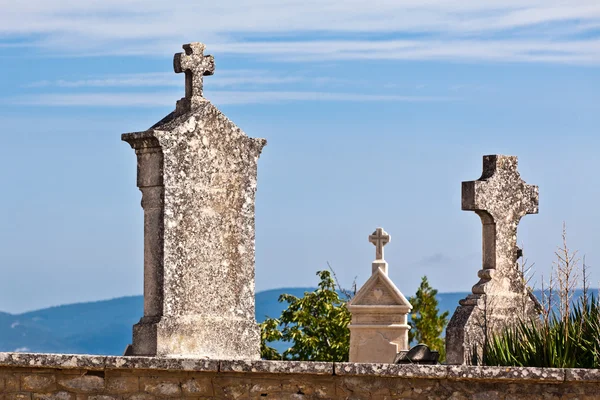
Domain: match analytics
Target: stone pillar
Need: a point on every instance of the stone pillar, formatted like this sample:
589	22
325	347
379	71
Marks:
150	182
379	328
199	227
500	298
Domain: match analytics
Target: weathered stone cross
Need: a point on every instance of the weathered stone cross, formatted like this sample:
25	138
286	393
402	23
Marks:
195	65
379	238
500	198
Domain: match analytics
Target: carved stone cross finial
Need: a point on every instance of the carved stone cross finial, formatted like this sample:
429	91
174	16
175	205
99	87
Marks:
379	238
195	65
500	198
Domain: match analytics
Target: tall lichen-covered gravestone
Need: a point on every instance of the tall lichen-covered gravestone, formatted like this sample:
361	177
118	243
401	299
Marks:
197	173
501	297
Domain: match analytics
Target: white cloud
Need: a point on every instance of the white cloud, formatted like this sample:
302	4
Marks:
581	52
491	30
225	78
21	350
167	99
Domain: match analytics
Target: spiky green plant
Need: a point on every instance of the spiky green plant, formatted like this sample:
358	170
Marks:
556	342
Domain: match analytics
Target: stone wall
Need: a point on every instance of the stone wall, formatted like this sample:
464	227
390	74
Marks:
69	377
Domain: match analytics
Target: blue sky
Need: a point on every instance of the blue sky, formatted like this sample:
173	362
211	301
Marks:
374	113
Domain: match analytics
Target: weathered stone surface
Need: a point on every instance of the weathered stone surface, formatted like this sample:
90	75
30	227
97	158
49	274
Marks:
199	386
197	174
52	360
195	65
55	396
141	396
464	372
523	374
583	375
17	396
93	363
278	367
309	387
122	384
12	383
187	364
392	370
160	386
38	382
233	387
295	380
265	388
379	327
84	384
489	395
500	198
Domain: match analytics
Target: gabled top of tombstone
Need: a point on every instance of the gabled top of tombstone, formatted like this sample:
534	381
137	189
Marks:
194	113
379	290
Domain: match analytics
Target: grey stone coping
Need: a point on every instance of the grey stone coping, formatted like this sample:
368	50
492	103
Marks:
92	362
556	375
582	375
407	371
464	372
392	370
137	135
278	367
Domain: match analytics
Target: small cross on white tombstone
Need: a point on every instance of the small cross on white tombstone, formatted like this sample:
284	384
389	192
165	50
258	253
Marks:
195	65
379	238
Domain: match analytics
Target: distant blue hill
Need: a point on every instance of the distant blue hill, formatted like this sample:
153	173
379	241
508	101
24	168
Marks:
104	327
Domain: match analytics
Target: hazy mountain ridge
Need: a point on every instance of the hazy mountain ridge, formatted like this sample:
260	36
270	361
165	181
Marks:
104	327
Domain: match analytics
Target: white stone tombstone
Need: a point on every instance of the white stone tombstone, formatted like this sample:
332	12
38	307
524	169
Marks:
379	328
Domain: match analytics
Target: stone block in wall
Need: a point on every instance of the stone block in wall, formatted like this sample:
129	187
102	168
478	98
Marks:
197	386
161	386
122	384
141	396
235	387
82	384
38	382
12	383
266	388
309	387
54	396
17	396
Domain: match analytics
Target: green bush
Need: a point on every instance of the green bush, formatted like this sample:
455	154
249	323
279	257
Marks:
315	325
426	320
